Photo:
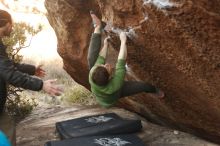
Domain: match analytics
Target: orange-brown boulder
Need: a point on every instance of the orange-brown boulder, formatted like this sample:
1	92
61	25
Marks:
174	45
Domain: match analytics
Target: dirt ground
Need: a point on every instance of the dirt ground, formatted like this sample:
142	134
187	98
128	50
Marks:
39	127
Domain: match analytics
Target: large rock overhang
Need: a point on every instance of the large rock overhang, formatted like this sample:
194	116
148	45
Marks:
173	45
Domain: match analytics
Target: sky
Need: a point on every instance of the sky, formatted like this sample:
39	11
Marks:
44	44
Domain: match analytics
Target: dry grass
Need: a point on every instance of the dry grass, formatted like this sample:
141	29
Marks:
73	92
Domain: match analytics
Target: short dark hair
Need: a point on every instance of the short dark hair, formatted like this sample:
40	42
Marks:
5	18
100	76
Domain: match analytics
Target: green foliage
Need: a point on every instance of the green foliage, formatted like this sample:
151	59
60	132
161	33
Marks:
19	106
22	33
18	39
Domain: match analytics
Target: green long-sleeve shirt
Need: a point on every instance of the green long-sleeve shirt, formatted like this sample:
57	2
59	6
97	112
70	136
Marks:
107	95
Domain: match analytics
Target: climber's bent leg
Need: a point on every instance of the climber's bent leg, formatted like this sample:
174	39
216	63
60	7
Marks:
95	42
134	87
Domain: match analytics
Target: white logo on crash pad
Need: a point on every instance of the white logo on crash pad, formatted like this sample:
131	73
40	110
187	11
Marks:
111	142
99	119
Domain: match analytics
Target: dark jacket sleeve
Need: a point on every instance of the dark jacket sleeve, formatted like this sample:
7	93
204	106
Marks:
25	68
15	77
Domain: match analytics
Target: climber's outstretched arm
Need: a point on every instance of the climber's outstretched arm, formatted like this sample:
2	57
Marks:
123	48
104	50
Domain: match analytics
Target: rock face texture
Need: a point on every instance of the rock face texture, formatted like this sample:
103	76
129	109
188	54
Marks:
174	45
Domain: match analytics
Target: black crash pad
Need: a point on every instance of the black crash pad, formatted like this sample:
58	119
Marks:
103	124
113	140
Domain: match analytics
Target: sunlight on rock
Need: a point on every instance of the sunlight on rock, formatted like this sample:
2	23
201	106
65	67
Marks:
161	4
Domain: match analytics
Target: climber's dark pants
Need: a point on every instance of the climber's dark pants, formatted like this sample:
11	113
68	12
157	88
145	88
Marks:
129	87
7	125
94	49
134	87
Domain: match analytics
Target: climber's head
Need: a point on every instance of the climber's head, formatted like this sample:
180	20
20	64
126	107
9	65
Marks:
5	23
102	74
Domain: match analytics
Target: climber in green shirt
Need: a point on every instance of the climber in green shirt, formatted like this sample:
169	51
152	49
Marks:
107	84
